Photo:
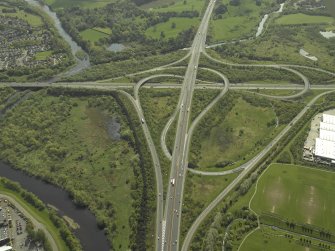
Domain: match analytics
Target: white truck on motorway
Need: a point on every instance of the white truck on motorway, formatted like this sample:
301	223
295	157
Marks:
172	182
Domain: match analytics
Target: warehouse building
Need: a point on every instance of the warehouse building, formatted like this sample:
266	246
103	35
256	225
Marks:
324	150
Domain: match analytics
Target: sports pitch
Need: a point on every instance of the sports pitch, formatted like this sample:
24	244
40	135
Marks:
297	193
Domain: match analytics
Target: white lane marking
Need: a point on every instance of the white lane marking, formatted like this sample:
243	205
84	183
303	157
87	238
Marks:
163	233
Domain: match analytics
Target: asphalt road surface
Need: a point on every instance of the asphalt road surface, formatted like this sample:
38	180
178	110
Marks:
171	221
243	174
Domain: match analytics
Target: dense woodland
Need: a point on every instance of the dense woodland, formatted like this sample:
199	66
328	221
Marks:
59	149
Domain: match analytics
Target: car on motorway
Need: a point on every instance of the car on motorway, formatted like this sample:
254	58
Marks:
142	120
172	182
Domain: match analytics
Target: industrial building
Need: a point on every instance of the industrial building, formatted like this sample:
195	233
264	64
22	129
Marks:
324	150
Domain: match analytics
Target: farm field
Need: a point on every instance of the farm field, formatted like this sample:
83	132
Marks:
297	193
167	28
92	35
268	239
177	6
239	21
58	4
31	19
43	55
300	18
236	137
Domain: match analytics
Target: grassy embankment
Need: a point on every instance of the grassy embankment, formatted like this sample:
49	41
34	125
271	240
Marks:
158	106
40	216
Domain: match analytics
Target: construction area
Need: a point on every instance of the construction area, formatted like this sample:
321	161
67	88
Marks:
13	234
320	144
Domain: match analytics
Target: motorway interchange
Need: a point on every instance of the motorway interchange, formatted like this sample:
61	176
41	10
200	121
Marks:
168	216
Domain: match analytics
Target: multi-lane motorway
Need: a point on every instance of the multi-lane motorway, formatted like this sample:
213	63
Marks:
172	213
168	220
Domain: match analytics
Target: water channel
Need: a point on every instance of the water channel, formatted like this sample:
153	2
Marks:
90	236
75	48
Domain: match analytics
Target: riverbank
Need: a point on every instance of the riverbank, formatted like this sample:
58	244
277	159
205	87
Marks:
40	219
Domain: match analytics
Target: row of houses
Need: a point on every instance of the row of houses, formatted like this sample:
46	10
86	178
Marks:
20	43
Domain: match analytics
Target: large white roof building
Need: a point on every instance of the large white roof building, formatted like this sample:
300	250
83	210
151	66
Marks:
325	149
327	135
325	144
329	119
326	126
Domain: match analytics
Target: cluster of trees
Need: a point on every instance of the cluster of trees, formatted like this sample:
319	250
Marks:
230	227
122	68
38	236
66	234
144	192
5	93
220	9
128	24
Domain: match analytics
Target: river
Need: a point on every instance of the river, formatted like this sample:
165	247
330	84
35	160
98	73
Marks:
90	236
75	48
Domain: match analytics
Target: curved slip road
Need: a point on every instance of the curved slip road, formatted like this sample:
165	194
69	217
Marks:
244	173
267	65
157	167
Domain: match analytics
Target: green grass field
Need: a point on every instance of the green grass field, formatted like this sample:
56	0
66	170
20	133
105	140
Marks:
169	32
176	6
92	35
300	18
199	192
301	194
43	55
239	21
105	30
267	239
31	19
77	3
235	138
